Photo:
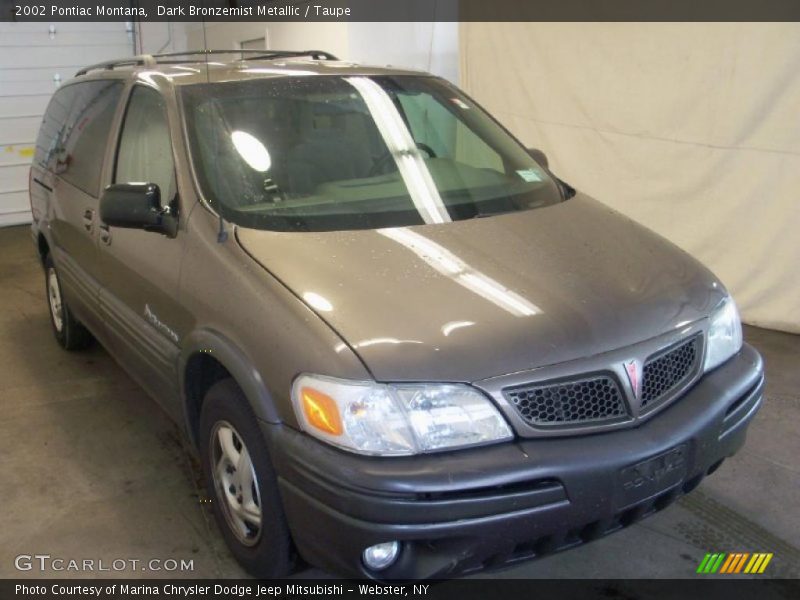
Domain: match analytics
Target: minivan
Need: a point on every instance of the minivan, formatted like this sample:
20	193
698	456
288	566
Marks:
401	347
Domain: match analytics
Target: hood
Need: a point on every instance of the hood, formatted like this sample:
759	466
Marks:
473	299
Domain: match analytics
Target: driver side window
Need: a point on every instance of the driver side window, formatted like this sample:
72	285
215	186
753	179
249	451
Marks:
145	149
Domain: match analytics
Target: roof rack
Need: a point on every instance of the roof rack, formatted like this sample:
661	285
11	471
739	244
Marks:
153	59
142	59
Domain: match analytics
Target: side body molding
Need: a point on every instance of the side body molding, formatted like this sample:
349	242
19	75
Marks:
241	368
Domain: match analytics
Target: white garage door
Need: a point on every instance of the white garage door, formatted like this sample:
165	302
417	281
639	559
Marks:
34	58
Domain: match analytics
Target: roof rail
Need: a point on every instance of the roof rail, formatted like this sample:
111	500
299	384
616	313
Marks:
140	59
255	54
154	59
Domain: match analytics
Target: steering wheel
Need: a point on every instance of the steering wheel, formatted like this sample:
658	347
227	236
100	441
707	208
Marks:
381	161
426	149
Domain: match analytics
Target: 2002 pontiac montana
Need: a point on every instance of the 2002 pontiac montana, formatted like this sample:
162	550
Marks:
401	346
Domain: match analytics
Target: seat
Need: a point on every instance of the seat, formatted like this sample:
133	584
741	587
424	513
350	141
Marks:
328	152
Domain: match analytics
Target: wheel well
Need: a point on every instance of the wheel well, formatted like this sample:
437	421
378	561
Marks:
44	248
202	371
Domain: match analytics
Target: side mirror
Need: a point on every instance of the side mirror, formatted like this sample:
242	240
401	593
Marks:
539	156
137	206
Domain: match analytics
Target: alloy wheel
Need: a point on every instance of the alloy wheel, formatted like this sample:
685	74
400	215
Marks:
54	298
236	483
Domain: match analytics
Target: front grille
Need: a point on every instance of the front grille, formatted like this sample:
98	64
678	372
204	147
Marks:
591	399
666	372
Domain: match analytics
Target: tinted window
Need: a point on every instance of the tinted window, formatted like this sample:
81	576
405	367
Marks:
145	149
52	128
74	147
438	128
316	153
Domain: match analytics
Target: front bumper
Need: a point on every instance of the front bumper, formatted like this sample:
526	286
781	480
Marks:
468	510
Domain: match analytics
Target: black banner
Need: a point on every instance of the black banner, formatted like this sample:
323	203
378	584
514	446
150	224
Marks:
727	588
399	10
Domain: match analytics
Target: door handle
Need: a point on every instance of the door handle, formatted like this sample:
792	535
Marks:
105	234
88	219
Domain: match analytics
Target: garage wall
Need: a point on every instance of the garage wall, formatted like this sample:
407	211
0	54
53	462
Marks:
222	36
158	37
33	60
331	37
425	46
690	128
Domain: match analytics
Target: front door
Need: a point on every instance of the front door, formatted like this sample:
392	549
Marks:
140	269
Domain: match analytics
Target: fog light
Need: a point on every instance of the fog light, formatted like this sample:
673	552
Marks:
381	556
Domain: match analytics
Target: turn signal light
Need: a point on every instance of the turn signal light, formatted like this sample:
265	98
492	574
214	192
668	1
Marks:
321	411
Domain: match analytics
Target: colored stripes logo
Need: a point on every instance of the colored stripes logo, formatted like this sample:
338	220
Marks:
735	562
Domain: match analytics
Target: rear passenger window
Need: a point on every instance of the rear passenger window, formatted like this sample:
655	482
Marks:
52	128
77	146
145	149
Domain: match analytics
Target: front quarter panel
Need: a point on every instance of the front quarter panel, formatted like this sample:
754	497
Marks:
252	324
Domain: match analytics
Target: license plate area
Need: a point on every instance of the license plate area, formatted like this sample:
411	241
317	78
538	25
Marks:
651	477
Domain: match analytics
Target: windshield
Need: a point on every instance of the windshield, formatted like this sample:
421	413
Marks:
322	153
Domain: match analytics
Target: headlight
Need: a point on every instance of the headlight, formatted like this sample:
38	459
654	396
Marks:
396	419
724	334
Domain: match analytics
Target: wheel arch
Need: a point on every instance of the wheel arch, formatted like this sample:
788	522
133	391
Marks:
209	356
42	246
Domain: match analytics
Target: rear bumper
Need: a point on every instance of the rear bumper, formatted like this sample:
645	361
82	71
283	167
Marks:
468	510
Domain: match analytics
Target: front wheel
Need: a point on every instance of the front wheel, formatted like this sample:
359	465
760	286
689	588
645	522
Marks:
242	483
69	332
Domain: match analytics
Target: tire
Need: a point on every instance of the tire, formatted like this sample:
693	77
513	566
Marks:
69	332
225	419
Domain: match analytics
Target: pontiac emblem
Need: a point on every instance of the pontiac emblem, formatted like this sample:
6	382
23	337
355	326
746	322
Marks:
634	370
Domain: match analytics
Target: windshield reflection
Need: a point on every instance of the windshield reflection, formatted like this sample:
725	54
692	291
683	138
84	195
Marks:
406	155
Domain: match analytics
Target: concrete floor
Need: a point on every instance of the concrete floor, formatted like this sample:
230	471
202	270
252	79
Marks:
91	468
